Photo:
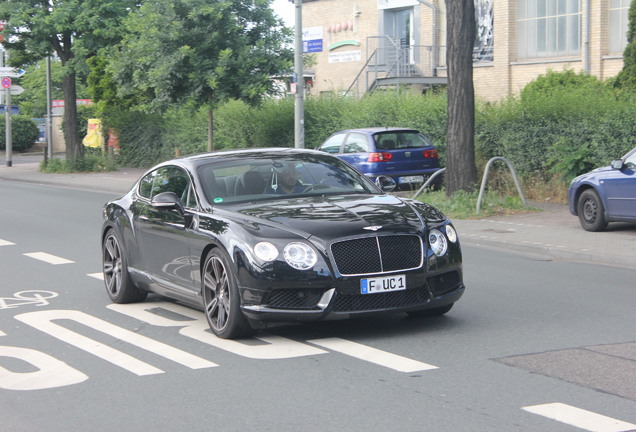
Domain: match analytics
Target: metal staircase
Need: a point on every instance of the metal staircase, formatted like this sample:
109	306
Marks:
392	64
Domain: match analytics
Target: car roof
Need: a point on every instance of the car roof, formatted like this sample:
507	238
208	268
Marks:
201	159
374	130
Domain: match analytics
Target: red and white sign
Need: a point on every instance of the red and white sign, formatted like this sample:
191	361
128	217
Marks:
6	82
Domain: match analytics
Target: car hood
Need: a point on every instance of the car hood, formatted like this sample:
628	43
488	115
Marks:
592	174
330	218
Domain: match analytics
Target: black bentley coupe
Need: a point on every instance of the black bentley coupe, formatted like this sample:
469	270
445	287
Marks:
283	234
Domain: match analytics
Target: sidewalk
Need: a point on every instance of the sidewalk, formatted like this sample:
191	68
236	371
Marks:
552	233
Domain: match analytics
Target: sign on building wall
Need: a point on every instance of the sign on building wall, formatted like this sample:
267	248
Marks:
390	4
312	39
345	56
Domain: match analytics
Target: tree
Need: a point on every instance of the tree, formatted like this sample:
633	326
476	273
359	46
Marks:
202	52
461	171
626	78
73	30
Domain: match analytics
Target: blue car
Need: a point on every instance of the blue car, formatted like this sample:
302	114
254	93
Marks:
606	194
406	155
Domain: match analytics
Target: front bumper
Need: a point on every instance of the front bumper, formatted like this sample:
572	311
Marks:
313	304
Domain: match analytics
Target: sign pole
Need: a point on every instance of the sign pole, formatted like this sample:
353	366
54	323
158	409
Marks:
299	111
49	119
7	114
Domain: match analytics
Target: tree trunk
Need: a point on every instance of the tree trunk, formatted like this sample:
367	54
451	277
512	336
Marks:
461	172
74	147
210	129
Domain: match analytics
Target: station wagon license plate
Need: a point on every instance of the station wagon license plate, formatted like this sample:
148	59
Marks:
383	284
411	179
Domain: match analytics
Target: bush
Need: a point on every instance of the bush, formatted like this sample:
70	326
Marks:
563	123
24	133
140	137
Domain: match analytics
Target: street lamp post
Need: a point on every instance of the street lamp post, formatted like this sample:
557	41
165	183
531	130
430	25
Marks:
299	105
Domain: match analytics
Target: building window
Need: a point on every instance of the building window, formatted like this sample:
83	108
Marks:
548	28
618	23
485	39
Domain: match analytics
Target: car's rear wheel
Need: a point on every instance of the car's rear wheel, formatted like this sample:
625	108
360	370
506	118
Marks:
221	298
119	285
591	211
431	312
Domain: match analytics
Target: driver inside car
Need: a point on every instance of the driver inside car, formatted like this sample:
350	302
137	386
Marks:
285	179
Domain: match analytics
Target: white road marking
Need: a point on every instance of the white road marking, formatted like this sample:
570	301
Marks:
99	276
44	321
580	418
50	372
48	258
372	355
6	243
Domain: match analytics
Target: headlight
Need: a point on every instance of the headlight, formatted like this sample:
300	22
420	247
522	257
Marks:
300	256
451	233
265	251
438	242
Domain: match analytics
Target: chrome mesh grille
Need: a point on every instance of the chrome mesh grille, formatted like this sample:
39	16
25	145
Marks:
369	302
294	298
378	254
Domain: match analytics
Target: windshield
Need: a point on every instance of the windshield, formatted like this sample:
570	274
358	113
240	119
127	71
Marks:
259	177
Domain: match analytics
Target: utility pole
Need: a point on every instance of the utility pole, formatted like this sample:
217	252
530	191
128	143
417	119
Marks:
299	106
49	119
7	115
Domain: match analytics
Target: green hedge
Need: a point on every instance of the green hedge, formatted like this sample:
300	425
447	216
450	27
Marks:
24	133
563	123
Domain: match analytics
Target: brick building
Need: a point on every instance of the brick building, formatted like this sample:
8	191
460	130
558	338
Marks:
361	45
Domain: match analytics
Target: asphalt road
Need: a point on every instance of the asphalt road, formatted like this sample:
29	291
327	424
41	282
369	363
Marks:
536	344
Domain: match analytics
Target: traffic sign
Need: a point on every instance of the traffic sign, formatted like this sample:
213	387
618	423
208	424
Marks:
11	72
16	89
6	82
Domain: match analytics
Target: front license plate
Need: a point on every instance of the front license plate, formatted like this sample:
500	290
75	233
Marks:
383	284
411	179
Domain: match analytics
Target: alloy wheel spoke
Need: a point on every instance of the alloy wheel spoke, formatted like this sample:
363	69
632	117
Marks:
211	307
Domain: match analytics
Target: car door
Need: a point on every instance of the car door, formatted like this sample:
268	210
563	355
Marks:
163	234
356	150
620	189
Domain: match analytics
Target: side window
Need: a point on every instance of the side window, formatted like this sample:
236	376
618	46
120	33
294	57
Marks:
145	185
171	179
332	145
356	143
630	162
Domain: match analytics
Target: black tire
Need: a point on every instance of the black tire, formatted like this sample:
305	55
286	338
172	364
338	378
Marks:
591	211
119	285
221	299
431	312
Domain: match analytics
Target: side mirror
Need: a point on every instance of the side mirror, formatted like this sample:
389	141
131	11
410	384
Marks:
617	164
385	183
167	201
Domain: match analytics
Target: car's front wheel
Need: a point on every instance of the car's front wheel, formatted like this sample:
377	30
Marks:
119	285
591	211
221	298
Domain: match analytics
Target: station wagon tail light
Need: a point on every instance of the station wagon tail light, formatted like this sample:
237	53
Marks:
379	157
430	154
